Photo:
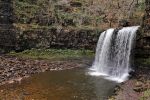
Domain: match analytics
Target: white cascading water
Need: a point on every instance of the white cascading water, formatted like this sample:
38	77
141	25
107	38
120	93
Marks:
113	53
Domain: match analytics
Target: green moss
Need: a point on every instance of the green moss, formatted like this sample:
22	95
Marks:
147	61
143	61
146	95
24	10
141	6
90	14
27	10
53	53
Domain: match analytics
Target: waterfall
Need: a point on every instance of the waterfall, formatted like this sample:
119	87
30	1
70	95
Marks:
113	52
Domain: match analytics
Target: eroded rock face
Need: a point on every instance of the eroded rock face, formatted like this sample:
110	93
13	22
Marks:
47	38
58	38
7	33
143	37
146	18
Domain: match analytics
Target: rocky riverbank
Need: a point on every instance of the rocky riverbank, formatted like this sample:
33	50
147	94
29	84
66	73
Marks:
13	68
137	88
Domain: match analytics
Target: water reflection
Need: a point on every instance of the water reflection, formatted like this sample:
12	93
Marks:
61	85
101	87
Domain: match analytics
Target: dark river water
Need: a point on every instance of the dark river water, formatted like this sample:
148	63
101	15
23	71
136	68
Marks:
73	84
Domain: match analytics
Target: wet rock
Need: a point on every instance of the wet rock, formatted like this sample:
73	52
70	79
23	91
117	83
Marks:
124	23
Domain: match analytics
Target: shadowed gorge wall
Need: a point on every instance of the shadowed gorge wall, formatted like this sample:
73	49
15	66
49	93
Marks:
143	42
58	38
7	33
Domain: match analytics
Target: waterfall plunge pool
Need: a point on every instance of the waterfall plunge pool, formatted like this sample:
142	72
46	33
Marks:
74	84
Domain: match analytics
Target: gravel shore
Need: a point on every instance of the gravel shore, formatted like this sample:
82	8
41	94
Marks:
14	68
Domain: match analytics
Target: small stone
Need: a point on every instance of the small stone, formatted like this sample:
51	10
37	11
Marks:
138	84
26	93
138	89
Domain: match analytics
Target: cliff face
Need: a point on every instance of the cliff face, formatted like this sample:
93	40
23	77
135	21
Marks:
65	23
143	42
58	38
147	16
7	34
79	17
